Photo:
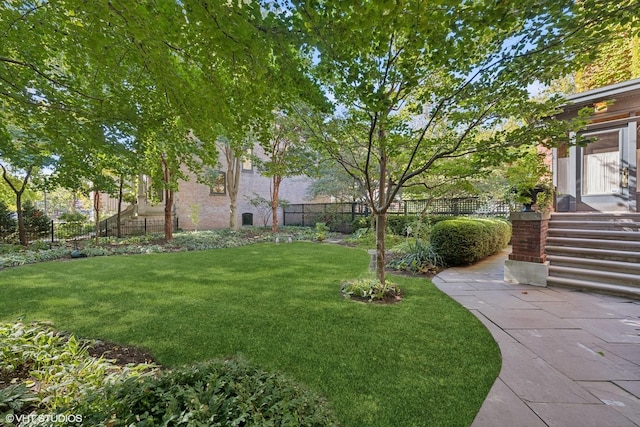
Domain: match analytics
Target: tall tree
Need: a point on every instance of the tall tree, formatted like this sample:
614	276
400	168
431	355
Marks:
423	82
24	151
287	154
235	153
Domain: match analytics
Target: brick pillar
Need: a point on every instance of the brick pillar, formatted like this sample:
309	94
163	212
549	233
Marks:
527	263
529	236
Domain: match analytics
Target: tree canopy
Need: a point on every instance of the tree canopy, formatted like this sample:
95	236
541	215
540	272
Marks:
104	79
416	84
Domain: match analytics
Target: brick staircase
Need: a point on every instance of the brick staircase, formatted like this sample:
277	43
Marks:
595	251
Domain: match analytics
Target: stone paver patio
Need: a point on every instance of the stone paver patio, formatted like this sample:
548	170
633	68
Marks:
569	358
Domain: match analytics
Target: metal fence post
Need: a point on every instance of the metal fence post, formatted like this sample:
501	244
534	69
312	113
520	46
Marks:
51	231
145	225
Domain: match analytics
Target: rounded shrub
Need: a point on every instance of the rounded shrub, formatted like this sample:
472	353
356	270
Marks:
464	241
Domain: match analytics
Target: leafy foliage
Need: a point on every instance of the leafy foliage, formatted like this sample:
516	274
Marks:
366	238
527	173
61	377
11	256
59	371
371	290
223	393
434	94
35	220
418	256
618	60
467	240
321	231
7	221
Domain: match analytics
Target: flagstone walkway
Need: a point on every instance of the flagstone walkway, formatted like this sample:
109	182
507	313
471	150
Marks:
569	358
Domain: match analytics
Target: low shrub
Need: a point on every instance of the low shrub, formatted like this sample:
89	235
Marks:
51	371
220	393
371	290
397	224
321	231
467	240
361	222
417	256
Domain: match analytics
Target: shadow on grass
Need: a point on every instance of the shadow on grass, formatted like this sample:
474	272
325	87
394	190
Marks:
423	361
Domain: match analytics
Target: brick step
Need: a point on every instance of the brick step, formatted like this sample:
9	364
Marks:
566	282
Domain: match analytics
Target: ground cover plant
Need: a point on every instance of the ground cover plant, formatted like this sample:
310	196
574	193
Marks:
44	371
38	251
422	361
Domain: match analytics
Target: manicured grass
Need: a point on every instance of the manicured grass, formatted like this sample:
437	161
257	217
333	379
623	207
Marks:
424	361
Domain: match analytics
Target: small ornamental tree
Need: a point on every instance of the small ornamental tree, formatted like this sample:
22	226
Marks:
35	221
420	84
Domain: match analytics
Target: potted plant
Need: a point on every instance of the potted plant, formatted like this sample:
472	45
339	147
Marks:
529	179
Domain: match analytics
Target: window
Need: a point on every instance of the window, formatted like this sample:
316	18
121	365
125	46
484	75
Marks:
217	182
247	163
601	165
564	169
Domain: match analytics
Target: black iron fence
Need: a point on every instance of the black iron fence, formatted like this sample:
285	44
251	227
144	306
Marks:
339	215
141	226
76	231
342	215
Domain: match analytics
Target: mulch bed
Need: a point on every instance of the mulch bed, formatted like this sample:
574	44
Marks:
120	354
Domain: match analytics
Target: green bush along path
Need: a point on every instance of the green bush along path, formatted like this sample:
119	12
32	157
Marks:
423	361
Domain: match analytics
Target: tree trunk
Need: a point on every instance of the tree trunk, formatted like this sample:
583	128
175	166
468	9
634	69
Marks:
234	166
168	217
22	231
274	202
168	200
381	224
233	212
382	205
96	209
118	219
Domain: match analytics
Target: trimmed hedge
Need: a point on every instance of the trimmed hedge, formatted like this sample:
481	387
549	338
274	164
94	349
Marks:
397	224
464	241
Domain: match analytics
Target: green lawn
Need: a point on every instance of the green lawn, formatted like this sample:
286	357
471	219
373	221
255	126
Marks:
423	362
